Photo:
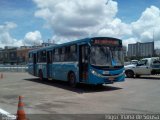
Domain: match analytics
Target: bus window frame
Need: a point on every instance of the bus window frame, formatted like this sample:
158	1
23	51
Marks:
56	55
49	56
42	57
65	54
30	59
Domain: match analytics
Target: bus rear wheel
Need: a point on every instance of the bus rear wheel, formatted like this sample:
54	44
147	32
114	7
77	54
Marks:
72	79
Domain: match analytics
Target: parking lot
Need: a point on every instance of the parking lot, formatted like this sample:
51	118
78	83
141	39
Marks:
53	97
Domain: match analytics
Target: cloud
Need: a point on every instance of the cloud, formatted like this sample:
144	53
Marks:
7	26
115	28
76	19
147	27
130	41
83	18
5	38
72	19
33	38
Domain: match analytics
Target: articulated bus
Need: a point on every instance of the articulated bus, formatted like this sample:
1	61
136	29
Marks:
97	60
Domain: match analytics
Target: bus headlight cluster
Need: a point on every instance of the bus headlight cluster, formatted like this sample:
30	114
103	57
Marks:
95	73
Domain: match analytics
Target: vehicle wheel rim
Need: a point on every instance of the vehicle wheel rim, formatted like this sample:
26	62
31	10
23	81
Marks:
129	74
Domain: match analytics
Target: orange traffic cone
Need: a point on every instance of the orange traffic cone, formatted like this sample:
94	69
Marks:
20	112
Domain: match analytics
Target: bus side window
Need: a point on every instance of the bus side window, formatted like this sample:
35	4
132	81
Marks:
73	53
53	53
38	56
85	54
44	56
67	51
59	54
30	58
56	55
63	54
49	57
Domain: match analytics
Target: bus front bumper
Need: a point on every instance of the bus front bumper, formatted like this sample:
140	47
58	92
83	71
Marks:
96	78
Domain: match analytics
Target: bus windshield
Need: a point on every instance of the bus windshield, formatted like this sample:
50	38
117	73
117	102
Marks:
106	56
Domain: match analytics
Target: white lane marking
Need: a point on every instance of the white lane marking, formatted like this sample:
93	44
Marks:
6	116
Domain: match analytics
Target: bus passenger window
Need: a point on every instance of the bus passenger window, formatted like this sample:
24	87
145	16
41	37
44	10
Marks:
53	53
43	56
86	54
30	58
38	56
59	54
66	54
49	57
63	54
73	53
56	55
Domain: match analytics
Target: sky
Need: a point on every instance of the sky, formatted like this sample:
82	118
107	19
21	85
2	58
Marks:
30	22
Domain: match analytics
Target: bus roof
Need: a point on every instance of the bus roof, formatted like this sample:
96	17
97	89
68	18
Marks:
81	41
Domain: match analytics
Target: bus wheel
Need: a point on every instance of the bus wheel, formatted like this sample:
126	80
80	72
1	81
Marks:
40	75
129	74
72	79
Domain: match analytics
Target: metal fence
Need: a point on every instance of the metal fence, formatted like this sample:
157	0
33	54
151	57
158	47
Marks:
13	68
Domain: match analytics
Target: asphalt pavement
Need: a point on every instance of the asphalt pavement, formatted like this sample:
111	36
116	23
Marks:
135	95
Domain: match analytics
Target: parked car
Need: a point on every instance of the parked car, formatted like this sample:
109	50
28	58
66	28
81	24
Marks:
146	66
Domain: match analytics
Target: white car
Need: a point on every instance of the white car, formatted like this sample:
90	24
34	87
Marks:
146	66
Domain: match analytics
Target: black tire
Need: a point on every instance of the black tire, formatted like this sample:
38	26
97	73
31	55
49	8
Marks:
72	79
129	74
40	75
137	76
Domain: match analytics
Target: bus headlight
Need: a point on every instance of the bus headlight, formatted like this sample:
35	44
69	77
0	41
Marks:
95	73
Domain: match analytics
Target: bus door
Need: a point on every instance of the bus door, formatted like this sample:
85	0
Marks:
83	63
49	64
34	63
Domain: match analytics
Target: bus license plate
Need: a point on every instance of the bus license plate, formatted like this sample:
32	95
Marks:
111	78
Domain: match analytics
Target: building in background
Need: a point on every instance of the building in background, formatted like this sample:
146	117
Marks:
47	44
17	55
141	49
22	54
125	51
157	52
8	55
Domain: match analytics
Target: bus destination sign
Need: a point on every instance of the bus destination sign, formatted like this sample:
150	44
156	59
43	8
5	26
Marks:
106	42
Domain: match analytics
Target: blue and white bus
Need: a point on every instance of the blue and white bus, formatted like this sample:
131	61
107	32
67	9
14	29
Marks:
98	60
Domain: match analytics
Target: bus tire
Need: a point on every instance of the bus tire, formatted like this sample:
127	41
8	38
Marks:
72	79
129	74
40	75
